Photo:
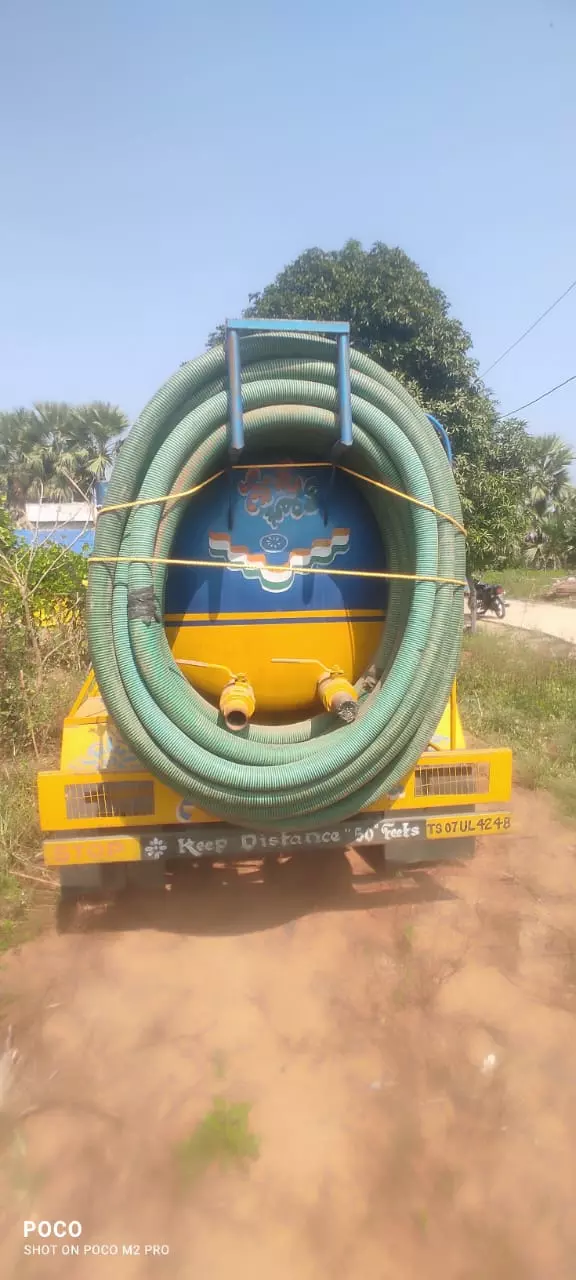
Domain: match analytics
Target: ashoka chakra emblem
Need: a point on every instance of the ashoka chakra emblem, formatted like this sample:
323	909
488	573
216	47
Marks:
273	542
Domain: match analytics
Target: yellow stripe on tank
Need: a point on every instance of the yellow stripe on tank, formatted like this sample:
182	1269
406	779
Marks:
300	614
343	641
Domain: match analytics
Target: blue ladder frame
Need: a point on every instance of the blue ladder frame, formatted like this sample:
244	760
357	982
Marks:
339	329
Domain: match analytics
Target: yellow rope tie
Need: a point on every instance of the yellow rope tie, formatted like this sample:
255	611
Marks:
276	568
167	497
418	502
276	466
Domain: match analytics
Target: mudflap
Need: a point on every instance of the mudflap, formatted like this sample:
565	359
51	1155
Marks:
428	852
99	882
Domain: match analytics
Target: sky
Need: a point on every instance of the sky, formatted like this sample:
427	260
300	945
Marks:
161	159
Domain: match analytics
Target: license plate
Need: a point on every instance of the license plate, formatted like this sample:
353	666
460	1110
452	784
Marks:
468	824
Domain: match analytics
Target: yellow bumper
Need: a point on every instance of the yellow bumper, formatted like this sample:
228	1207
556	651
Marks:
216	842
89	801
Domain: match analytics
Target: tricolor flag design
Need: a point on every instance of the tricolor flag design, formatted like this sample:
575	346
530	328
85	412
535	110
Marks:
254	566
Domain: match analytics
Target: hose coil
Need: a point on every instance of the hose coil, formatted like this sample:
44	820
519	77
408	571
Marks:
317	770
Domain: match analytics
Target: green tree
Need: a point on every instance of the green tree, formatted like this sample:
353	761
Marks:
401	320
55	451
495	517
553	546
550	460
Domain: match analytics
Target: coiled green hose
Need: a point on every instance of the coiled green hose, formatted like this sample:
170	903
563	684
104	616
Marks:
316	770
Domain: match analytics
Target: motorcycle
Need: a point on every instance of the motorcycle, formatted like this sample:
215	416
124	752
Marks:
490	598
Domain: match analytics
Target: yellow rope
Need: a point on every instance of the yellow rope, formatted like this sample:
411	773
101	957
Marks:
275	466
167	497
276	568
418	502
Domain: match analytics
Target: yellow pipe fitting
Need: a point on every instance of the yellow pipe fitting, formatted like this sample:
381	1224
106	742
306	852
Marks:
338	695
237	703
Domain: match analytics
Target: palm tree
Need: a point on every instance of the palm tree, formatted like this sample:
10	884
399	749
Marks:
15	472
98	432
555	543
550	464
57	450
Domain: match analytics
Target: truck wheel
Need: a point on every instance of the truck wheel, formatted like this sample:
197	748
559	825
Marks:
67	910
71	895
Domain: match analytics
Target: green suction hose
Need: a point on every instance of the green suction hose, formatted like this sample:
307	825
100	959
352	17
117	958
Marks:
313	771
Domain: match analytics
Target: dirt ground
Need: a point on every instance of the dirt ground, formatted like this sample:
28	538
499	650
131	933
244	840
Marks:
408	1049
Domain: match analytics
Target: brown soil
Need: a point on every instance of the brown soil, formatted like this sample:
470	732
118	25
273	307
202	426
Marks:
408	1048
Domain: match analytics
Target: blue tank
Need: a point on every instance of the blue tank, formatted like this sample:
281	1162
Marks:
264	524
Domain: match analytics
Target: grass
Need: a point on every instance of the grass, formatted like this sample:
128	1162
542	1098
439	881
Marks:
222	1137
19	843
20	840
519	690
526	584
419	975
220	1063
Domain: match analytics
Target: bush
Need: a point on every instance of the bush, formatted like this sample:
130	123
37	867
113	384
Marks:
16	669
42	599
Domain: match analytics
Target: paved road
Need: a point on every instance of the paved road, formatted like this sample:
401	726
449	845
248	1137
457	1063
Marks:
550	619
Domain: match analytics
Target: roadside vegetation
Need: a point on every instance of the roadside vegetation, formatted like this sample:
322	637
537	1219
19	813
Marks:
519	690
22	875
53	452
42	658
527	584
222	1137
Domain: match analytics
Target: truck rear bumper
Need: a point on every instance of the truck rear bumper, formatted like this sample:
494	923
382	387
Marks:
407	837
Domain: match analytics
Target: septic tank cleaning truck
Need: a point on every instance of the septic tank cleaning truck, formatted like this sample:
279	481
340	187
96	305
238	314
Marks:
275	614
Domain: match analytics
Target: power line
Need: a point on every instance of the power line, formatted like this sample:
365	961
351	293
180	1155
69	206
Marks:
542	397
527	331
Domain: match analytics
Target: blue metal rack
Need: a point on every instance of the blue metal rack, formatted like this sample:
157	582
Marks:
339	329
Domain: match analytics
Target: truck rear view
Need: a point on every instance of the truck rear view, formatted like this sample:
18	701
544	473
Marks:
275	609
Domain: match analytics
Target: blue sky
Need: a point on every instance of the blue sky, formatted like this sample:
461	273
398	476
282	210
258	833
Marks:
161	159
